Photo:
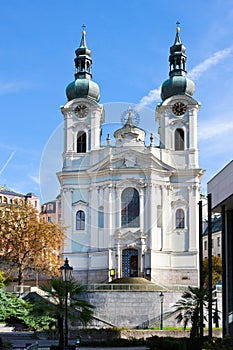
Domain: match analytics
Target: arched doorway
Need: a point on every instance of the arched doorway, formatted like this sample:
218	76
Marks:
130	263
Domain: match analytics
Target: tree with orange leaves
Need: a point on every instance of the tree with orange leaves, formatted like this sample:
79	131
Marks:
27	244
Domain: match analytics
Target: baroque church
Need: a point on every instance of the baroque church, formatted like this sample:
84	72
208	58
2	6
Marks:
130	209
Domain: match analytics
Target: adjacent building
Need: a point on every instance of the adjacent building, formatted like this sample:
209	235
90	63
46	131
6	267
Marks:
128	207
221	189
8	196
49	211
216	229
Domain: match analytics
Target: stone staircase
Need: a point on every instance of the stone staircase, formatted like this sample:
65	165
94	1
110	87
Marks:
4	328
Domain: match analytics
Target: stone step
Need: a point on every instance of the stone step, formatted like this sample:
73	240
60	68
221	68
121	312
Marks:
6	328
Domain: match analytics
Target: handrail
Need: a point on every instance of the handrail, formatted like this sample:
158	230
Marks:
32	346
122	287
132	287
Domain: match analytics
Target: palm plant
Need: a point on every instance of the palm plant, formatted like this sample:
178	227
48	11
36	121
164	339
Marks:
53	304
188	308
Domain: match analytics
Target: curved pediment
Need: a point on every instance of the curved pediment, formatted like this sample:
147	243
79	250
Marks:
131	159
129	237
80	203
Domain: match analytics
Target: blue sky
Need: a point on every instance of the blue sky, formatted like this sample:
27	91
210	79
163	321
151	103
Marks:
130	43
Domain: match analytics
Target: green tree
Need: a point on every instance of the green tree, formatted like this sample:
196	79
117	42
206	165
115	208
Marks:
14	308
188	308
53	304
26	243
216	270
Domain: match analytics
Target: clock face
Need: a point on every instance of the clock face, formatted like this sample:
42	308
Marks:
81	111
179	108
131	115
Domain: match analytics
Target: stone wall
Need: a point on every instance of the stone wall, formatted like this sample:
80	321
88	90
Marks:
133	309
136	309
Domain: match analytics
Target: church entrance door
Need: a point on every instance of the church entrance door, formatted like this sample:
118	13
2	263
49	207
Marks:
130	263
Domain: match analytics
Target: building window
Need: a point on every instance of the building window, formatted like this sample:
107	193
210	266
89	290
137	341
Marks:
130	208
50	207
50	219
81	142
3	199
212	243
101	217
205	245
159	216
80	220
218	241
179	218
179	140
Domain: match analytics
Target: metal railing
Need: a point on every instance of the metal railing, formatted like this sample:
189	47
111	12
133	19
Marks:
96	287
32	347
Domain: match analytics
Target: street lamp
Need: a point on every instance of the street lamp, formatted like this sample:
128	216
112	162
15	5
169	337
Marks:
161	309
112	273
66	271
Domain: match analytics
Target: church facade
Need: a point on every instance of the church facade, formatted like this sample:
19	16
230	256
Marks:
128	208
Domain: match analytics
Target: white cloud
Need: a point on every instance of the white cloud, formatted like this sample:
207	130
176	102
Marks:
197	71
35	179
150	98
214	129
11	87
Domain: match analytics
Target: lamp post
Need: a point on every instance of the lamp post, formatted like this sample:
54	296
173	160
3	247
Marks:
161	309
66	271
112	273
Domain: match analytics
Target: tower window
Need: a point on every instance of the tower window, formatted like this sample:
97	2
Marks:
101	217
179	140
80	220
179	218
81	142
159	216
130	208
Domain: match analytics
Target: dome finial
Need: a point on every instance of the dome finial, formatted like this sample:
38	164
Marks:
177	26
177	38
83	86
178	83
83	40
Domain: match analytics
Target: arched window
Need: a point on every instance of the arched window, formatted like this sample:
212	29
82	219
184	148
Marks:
81	142
179	140
80	220
130	208
179	218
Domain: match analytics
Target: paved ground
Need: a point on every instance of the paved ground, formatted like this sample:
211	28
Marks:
45	345
87	348
84	348
131	348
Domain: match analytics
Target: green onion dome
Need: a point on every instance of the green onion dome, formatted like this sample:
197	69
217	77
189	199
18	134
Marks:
83	85
83	88
178	83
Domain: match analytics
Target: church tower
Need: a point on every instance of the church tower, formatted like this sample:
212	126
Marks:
177	119
130	207
177	114
83	115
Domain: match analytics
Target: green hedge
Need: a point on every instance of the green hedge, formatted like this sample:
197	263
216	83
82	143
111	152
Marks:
169	343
